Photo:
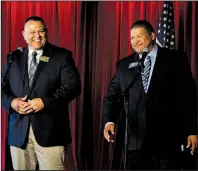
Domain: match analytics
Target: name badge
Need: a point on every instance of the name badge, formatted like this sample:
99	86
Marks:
44	58
133	64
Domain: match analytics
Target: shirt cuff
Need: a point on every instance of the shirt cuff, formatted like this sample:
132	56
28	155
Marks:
109	123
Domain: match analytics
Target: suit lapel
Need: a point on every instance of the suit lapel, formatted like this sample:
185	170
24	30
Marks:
156	70
23	63
131	77
46	52
131	72
24	71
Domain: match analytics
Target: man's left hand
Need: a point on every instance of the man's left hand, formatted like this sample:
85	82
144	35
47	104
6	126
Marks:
192	142
35	105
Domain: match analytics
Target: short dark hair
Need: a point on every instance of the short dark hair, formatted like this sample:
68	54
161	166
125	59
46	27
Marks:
145	24
35	18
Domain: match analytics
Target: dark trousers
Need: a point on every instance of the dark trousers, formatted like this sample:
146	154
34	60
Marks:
145	160
189	162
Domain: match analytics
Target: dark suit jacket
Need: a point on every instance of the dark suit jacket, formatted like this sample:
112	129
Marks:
170	107
56	82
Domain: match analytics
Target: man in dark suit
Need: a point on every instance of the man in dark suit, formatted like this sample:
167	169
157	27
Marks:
161	102
40	83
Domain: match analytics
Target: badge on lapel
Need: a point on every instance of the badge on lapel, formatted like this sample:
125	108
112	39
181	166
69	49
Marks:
133	64
44	58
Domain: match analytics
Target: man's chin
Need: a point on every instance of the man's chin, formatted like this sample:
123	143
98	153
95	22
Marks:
37	47
139	51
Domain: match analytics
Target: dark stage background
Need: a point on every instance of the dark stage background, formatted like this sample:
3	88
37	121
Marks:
98	34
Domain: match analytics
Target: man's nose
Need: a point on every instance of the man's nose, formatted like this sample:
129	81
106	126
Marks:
37	34
136	41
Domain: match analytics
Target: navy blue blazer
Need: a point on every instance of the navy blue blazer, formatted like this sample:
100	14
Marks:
56	82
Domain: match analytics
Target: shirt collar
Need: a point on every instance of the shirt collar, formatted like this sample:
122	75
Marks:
152	53
39	52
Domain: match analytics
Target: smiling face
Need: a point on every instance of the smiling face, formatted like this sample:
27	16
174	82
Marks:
141	38
35	34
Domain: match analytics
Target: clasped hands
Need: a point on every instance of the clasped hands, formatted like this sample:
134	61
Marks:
22	106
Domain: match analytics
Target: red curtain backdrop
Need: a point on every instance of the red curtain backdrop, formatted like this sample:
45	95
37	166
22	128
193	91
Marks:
98	33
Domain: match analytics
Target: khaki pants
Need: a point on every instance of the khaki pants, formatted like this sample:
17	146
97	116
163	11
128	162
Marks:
48	158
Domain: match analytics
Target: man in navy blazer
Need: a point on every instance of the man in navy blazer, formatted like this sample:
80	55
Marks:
40	83
161	111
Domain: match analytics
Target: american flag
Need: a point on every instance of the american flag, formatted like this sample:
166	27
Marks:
166	31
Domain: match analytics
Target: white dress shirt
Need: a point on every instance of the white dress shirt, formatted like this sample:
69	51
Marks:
39	53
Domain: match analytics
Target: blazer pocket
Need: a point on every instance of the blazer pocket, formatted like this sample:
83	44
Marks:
50	73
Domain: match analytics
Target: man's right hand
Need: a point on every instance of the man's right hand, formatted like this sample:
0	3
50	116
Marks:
109	128
19	104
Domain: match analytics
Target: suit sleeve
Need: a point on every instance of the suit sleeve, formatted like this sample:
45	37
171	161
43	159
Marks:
188	96
111	106
70	85
6	94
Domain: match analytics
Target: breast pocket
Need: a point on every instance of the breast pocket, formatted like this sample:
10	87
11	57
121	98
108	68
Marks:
49	80
50	74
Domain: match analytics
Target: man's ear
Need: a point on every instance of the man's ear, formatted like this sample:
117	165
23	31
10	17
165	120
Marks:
46	32
153	36
23	33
